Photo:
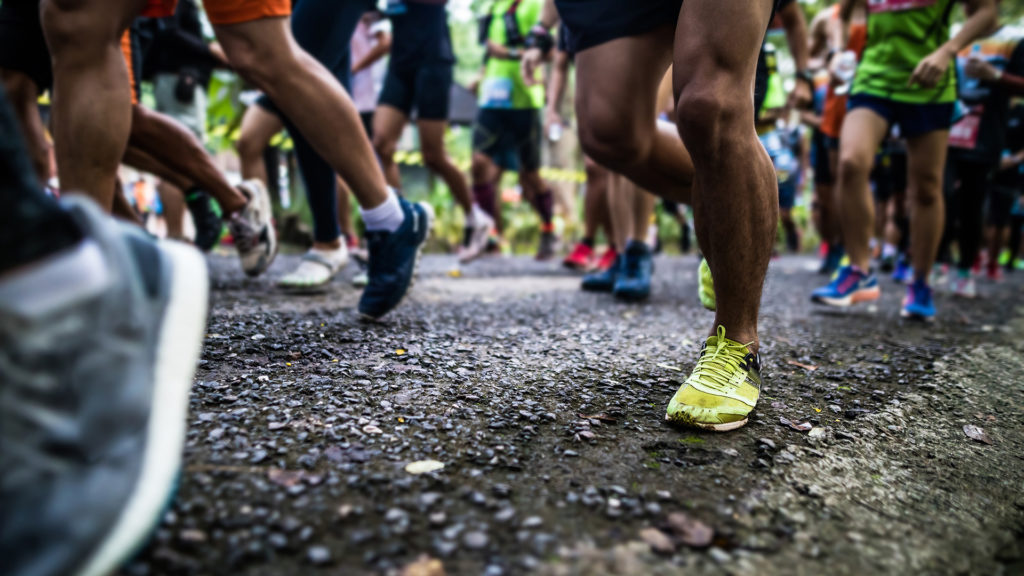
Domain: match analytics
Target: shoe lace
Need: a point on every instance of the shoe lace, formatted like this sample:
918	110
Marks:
716	366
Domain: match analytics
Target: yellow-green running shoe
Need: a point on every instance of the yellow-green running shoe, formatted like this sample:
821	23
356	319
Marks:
706	286
723	388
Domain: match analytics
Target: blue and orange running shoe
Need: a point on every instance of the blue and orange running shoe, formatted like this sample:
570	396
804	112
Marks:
850	286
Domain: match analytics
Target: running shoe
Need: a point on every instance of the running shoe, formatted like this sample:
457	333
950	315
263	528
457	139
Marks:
634	280
603	280
903	274
964	287
253	231
939	275
706	286
722	389
993	272
208	222
607	260
393	260
477	236
918	303
581	258
99	346
316	269
850	286
548	246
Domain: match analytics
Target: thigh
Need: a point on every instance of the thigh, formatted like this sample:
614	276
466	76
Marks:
617	83
433	87
863	130
717	47
388	123
595	22
227	12
431	135
260	125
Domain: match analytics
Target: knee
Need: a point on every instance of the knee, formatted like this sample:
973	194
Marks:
613	139
249	146
385	148
927	191
852	163
704	111
434	158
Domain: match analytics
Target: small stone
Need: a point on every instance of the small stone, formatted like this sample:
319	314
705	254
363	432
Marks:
570	454
719	555
395	515
438	518
505	515
658	541
533	522
475	540
318	555
767	442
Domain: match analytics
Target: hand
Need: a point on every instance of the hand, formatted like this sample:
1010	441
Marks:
981	69
218	53
930	70
531	61
801	96
474	86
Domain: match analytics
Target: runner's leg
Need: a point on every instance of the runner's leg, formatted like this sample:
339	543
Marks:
735	210
258	126
436	159
595	202
926	159
863	130
615	103
23	94
92	97
388	123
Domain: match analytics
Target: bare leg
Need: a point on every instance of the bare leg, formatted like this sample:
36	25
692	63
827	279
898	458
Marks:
258	127
618	85
178	148
22	93
735	210
144	162
388	123
643	209
345	211
486	176
173	200
265	53
437	160
595	203
620	206
926	159
863	130
92	98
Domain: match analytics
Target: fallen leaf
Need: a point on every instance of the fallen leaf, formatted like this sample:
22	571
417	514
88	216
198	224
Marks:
690	531
976	433
400	352
371	429
799	427
455	273
808	367
658	541
423	466
668	367
601	417
424	566
286	478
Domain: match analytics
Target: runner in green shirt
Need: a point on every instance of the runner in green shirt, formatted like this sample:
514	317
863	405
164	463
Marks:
905	77
508	130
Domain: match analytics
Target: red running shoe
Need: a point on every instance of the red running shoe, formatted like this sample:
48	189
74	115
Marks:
606	260
581	258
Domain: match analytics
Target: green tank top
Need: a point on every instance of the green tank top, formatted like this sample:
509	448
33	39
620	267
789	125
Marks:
901	33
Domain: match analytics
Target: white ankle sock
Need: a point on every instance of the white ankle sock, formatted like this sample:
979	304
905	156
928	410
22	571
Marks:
388	216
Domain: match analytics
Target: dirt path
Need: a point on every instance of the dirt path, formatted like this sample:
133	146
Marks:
546	407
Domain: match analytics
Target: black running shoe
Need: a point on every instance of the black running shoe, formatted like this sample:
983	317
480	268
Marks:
207	221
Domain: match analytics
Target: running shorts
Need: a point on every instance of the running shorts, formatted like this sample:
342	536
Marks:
510	137
425	88
914	119
225	11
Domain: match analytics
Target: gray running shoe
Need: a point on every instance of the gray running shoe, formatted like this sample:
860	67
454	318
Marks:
252	230
98	347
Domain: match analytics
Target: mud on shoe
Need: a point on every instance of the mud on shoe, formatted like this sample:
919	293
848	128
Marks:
393	259
253	229
98	348
723	388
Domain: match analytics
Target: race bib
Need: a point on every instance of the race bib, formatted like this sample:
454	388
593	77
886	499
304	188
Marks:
498	93
875	6
964	134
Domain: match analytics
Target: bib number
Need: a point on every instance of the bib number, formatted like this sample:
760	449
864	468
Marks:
875	6
964	134
498	93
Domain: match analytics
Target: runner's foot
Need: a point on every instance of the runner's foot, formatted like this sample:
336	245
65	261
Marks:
918	304
722	389
101	345
850	286
604	280
581	258
393	259
607	260
317	268
209	224
548	246
964	287
253	231
634	280
477	236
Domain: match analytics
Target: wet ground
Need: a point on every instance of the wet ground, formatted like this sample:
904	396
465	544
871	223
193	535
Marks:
545	405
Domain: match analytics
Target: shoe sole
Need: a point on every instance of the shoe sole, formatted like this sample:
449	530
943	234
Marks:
856	298
728	426
914	316
415	265
179	343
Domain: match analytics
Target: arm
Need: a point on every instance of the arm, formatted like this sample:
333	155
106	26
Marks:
556	89
381	49
539	37
796	36
982	18
818	41
846	8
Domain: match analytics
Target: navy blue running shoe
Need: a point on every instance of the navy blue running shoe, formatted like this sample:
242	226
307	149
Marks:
634	281
393	259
